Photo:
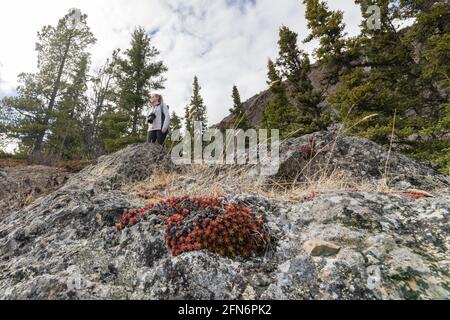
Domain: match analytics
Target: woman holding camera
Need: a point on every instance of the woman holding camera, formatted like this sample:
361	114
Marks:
158	120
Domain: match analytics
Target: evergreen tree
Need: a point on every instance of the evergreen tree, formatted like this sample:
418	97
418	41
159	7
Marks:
238	111
104	94
397	75
196	110
300	102
66	138
61	51
137	75
432	30
188	125
175	124
278	112
328	27
112	130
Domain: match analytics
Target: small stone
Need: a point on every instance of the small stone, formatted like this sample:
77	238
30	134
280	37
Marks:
249	293
319	248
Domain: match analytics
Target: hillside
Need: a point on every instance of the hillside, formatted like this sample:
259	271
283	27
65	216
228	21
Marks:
255	106
344	228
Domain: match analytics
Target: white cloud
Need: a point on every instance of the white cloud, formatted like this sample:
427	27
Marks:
220	43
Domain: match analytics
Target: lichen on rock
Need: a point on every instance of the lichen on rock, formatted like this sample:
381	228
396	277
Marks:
365	244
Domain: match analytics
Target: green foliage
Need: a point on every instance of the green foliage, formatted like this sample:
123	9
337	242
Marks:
402	72
175	124
137	75
277	114
47	100
327	26
238	111
196	110
66	138
295	105
113	131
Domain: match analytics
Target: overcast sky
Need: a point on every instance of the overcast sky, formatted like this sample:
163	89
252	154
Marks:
223	42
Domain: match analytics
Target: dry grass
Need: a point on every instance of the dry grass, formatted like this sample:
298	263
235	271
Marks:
13	163
202	180
323	178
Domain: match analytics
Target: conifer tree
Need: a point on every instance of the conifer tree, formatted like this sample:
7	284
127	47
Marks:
293	88
137	75
238	111
61	51
112	130
175	125
188	125
66	142
196	110
328	28
175	122
432	30
104	94
278	112
396	75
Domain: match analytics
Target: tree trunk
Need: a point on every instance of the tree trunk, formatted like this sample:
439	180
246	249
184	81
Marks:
40	138
135	121
99	104
64	139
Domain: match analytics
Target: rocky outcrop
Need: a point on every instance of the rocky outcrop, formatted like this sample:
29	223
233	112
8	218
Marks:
254	108
323	153
133	163
20	186
337	245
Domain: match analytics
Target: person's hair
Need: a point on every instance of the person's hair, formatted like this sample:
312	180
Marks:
160	97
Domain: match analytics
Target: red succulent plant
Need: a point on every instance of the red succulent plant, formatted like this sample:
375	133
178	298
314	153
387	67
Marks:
206	222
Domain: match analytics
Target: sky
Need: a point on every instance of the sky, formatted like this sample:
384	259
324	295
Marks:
223	42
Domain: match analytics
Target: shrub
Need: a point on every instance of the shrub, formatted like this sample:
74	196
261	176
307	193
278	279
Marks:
211	223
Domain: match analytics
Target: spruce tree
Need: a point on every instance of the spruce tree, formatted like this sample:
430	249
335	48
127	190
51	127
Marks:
432	30
396	75
66	141
112	130
327	27
137	75
188	125
278	112
196	110
238	111
175	122
303	107
175	125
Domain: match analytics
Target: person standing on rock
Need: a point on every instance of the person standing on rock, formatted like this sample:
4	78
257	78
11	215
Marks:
158	120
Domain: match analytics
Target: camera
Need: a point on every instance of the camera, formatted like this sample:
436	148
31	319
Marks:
151	118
